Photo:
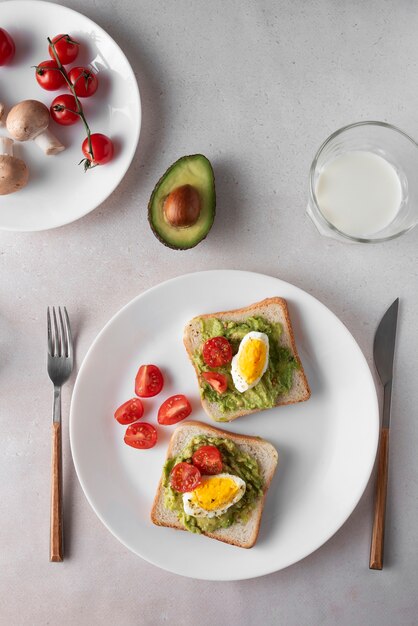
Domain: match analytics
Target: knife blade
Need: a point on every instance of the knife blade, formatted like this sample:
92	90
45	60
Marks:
383	354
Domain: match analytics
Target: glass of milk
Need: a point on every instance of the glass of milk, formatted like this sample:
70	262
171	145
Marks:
363	183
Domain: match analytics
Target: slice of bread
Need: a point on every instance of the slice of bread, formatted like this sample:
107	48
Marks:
242	535
273	310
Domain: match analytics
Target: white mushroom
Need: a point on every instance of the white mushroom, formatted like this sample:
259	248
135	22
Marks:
29	120
13	171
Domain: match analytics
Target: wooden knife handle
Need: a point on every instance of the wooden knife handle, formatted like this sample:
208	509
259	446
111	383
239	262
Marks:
56	548
378	534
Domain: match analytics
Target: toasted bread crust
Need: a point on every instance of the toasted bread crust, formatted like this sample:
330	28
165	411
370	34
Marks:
250	310
257	512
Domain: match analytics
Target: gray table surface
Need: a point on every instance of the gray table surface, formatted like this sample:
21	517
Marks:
256	86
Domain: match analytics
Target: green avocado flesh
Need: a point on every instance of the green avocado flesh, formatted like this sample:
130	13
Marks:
276	381
234	461
194	170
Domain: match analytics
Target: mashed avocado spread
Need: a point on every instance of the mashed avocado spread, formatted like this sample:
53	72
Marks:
235	462
276	380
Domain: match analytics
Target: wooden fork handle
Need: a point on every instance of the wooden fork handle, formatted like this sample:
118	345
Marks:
56	548
378	534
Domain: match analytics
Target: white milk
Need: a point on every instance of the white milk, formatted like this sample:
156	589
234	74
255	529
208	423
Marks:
359	193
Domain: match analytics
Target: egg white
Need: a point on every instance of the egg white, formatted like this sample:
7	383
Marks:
190	508
240	382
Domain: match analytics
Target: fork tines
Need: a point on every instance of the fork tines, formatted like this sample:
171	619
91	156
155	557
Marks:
59	334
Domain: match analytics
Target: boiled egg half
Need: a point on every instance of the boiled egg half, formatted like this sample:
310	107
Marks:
251	360
214	495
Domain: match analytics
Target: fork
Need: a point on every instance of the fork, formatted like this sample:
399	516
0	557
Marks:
60	365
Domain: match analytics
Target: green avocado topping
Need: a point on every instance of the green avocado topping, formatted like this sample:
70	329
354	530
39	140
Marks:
234	461
276	380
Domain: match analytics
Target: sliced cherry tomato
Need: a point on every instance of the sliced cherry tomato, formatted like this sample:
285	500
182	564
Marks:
130	411
84	81
63	110
185	477
49	76
141	435
173	410
7	47
219	382
149	381
102	148
217	352
208	460
65	47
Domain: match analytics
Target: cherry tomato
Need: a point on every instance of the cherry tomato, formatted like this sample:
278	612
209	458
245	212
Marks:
208	460
84	81
185	477
129	411
217	352
219	382
149	381
7	47
63	110
65	47
173	410
49	76
141	435
102	148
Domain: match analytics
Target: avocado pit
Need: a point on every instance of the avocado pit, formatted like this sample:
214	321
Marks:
182	206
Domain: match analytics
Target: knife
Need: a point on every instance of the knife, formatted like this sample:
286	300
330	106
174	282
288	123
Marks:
383	353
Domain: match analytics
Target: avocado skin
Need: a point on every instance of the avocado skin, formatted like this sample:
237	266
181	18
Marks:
155	191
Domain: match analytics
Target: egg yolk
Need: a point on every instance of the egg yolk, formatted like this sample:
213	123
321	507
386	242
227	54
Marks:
214	492
252	359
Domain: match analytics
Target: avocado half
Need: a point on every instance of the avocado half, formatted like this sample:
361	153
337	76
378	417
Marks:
194	170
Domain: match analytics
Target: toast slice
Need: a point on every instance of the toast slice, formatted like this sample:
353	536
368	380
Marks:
273	310
241	535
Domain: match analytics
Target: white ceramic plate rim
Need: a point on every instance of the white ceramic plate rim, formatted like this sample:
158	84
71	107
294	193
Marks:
361	487
40	5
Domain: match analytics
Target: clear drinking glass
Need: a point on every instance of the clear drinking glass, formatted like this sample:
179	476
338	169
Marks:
387	141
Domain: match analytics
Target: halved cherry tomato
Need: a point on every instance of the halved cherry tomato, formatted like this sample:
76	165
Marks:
63	110
130	411
49	76
149	381
7	47
141	435
217	351
208	460
65	47
219	382
173	410
185	477
84	81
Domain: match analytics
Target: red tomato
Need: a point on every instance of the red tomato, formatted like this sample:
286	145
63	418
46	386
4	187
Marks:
63	110
149	381
84	81
173	410
102	148
208	460
141	435
217	352
65	47
185	477
7	47
130	411
49	76
219	382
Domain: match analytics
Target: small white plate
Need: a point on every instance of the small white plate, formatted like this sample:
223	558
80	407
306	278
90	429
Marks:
59	191
326	445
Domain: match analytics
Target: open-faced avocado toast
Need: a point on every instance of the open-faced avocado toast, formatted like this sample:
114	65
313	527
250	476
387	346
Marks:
182	206
246	360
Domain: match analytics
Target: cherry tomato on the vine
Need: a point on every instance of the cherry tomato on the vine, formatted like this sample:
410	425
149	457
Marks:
65	47
49	75
64	110
84	81
102	148
7	47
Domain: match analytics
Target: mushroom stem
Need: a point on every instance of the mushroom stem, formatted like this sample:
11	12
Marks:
48	143
6	146
2	109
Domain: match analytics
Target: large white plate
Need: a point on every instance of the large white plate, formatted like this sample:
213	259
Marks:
59	191
326	446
